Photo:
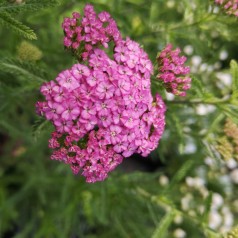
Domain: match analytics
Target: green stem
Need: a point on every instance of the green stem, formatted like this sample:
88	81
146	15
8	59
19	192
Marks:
219	117
204	19
210	102
190	25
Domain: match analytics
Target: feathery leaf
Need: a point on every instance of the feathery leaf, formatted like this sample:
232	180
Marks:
181	173
234	72
7	20
208	204
17	67
163	226
39	125
33	5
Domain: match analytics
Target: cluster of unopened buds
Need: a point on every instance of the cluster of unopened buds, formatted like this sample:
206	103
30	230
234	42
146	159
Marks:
102	108
172	71
229	6
232	234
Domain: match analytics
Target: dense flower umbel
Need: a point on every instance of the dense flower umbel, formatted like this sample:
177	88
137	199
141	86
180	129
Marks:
90	32
103	111
230	6
172	71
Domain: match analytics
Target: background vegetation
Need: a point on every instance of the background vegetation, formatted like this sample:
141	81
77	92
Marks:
186	188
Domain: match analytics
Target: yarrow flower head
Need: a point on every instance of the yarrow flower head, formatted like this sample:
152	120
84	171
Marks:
102	108
229	6
90	31
172	72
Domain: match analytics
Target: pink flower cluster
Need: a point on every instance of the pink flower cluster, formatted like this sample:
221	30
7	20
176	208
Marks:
103	110
92	31
230	6
173	72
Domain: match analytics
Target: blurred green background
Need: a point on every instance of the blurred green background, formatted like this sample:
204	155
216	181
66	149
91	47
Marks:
183	189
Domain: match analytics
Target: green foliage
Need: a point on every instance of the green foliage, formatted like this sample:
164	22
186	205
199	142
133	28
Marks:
163	226
30	5
207	210
41	198
28	71
234	73
39	125
181	173
7	8
17	26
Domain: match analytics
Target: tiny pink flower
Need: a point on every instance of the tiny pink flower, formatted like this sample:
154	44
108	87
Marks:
53	110
129	119
63	126
88	110
229	6
67	80
172	71
113	135
71	111
105	90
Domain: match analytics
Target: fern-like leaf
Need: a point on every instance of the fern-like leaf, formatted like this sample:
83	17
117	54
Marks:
40	125
234	72
197	87
208	205
230	110
7	20
33	5
178	127
28	70
162	228
181	173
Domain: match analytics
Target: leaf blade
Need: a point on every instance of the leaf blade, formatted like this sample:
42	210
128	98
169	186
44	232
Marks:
23	30
17	67
234	73
164	224
33	5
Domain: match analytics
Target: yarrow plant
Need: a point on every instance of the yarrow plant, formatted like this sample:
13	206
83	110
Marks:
229	6
172	71
102	108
